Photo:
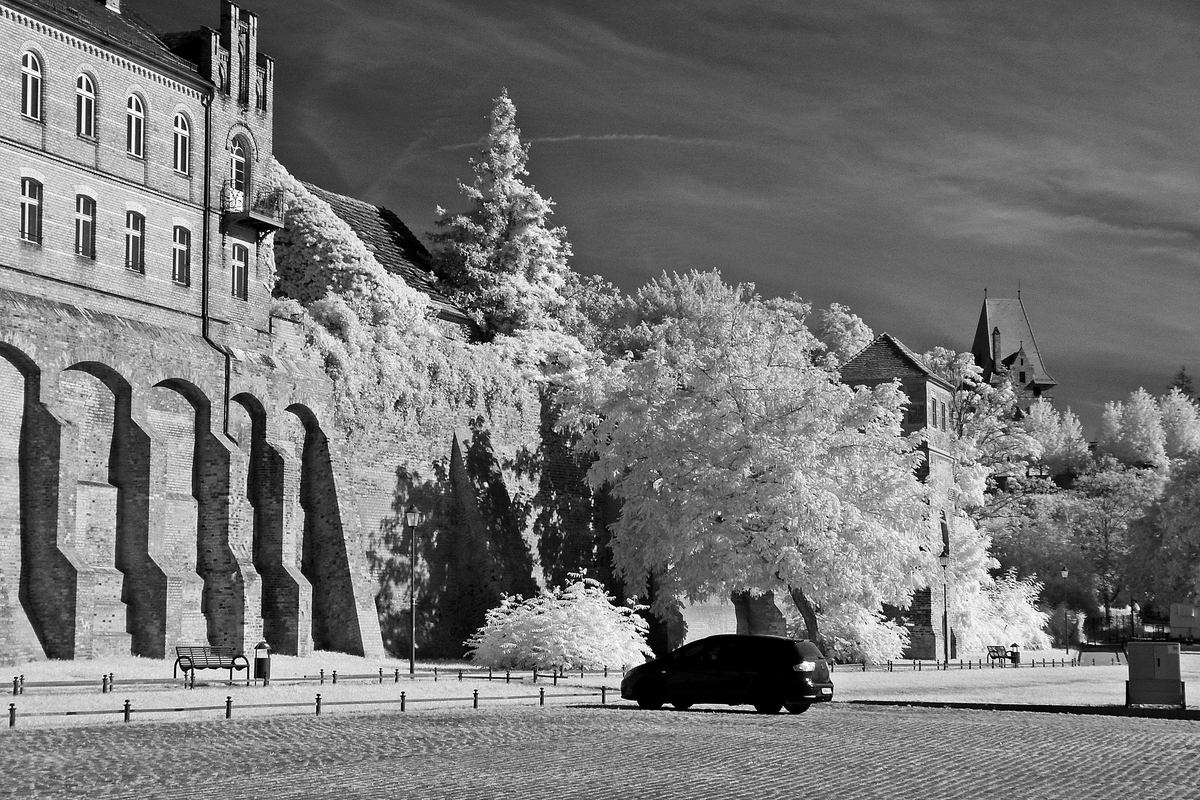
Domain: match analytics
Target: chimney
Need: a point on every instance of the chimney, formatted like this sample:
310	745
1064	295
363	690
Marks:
996	350
112	5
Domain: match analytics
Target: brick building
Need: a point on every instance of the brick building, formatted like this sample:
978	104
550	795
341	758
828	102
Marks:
170	471
928	410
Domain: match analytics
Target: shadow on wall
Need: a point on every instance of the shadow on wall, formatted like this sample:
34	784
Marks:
570	524
470	551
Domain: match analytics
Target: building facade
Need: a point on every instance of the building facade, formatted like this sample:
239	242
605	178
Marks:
165	454
1005	349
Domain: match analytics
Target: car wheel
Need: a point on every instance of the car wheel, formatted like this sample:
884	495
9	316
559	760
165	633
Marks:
681	706
796	708
768	705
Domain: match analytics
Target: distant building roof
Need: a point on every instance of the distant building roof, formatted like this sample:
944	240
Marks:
1005	317
886	358
123	30
395	248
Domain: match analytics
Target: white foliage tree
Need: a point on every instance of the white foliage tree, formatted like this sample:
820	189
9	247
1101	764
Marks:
842	333
741	464
576	626
1061	447
1181	424
505	264
1132	431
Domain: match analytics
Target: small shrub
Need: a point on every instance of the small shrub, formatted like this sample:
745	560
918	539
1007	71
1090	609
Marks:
578	625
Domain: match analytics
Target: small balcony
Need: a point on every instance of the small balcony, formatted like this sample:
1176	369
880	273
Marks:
261	210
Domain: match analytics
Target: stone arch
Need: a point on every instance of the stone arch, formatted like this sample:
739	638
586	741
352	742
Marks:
36	581
258	492
324	560
104	473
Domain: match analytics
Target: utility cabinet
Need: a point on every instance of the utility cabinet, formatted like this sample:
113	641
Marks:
1153	674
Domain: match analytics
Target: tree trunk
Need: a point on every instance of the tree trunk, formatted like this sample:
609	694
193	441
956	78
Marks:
807	612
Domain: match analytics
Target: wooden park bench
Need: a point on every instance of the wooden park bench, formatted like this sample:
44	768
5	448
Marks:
193	657
998	652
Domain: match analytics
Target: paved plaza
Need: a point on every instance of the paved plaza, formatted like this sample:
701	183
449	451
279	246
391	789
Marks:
841	751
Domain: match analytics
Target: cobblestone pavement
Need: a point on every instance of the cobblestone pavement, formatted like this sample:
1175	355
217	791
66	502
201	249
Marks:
838	751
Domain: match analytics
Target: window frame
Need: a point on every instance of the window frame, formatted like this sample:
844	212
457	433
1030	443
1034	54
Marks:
182	143
239	179
85	226
240	272
30	228
33	82
135	126
85	106
181	256
135	242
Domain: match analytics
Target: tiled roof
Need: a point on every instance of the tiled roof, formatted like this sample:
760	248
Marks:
1008	315
125	30
884	359
394	246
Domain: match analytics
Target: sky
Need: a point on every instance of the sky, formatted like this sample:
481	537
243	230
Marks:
895	156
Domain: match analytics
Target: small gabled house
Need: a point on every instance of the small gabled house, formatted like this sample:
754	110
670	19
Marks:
1005	349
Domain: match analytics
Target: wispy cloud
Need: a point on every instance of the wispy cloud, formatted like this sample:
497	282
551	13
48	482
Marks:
682	141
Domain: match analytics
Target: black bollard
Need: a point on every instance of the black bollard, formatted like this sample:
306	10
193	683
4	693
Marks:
475	698
318	705
15	684
542	696
322	676
381	675
127	711
460	676
507	675
228	707
335	677
12	715
603	695
397	675
402	701
435	674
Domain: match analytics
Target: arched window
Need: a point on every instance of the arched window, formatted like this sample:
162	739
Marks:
240	264
135	127
183	144
85	106
135	241
31	85
85	226
181	256
31	210
239	179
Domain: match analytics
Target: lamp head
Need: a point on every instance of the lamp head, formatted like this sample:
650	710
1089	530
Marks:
1063	572
412	516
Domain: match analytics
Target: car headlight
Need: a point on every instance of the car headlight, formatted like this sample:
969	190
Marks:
806	666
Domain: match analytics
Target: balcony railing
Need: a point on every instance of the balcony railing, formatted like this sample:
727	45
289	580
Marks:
261	210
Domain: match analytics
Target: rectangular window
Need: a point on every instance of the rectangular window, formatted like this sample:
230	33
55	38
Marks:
240	262
181	256
85	226
135	241
31	210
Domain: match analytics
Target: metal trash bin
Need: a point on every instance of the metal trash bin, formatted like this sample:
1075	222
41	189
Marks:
1153	674
262	662
1014	654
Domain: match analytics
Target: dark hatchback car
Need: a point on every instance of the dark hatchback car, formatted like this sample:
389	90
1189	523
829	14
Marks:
769	672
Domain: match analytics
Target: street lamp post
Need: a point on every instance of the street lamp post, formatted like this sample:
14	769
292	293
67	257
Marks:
944	559
413	517
1066	625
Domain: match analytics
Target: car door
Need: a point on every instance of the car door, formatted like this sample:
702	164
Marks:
687	677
